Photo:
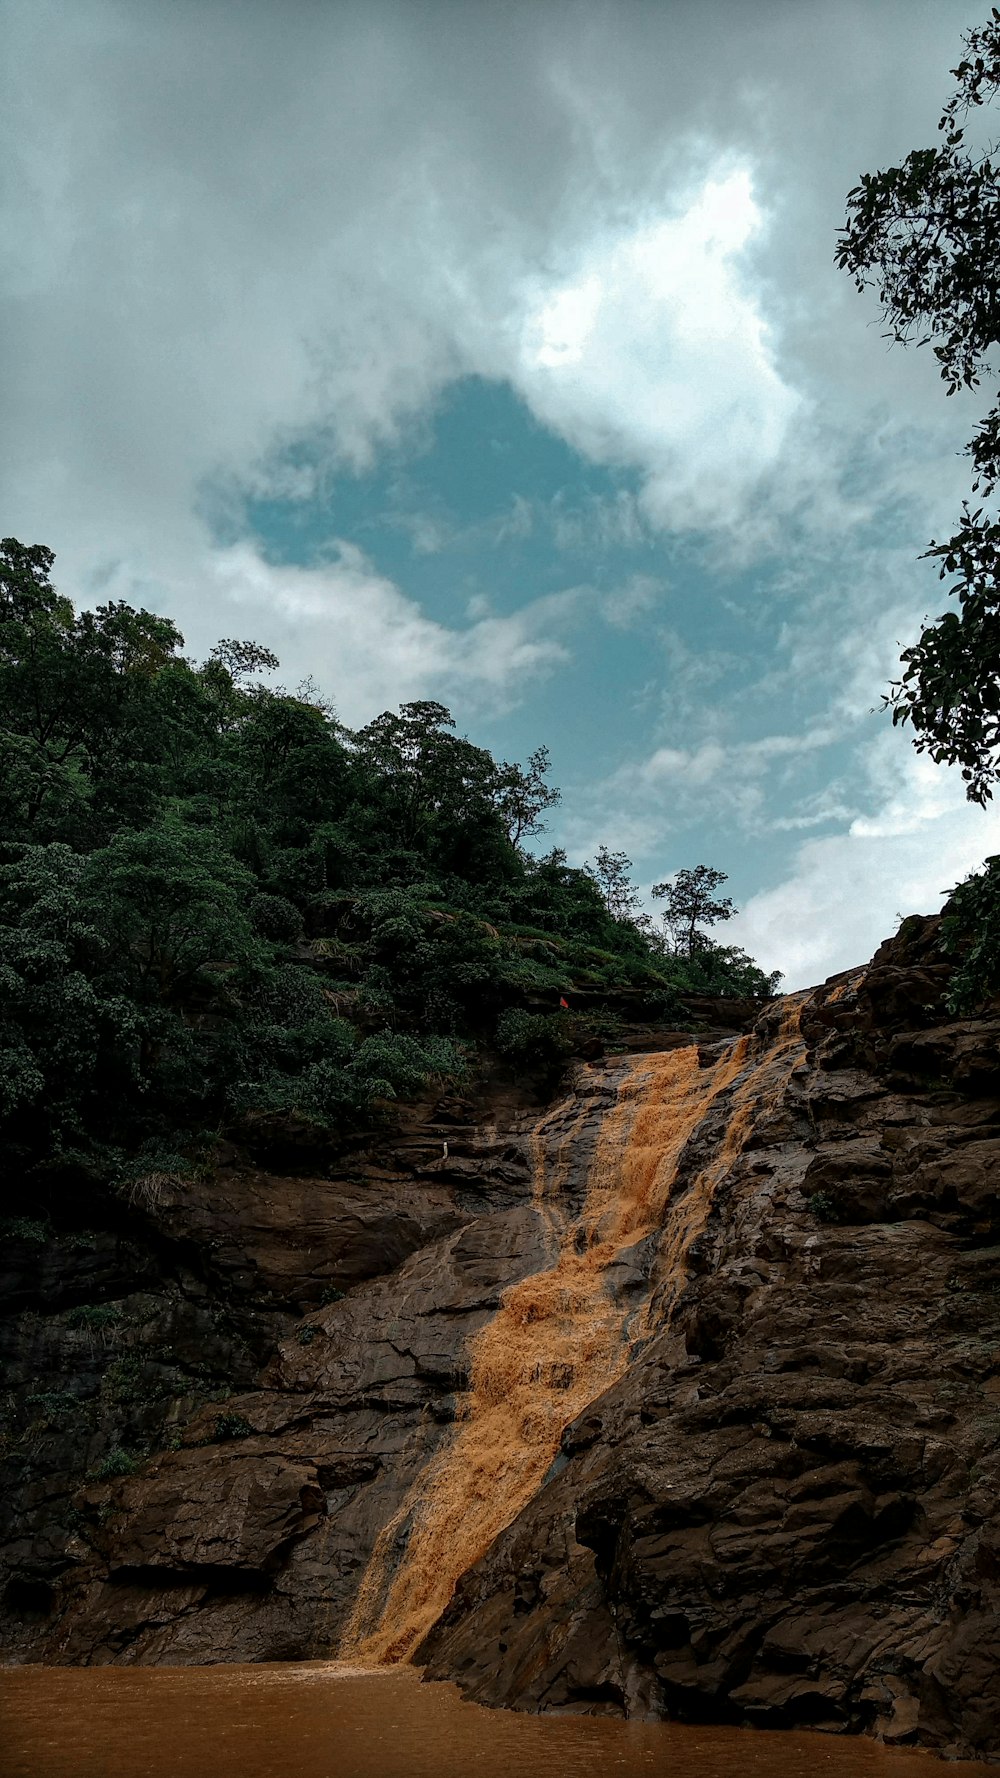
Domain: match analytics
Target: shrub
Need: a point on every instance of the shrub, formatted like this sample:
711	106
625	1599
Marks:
232	1426
154	1170
824	1208
24	1228
970	931
118	1462
134	1381
95	1315
537	1042
55	1404
275	918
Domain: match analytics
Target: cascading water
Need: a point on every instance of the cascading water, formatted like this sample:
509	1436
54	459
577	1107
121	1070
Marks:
563	1335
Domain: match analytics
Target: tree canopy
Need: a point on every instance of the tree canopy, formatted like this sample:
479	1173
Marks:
691	903
218	905
926	236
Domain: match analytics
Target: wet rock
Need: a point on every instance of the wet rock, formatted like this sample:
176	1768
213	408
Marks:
249	1540
273	1238
785	1516
206	1510
783	1512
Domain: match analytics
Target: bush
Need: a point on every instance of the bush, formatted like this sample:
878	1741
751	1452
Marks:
536	1042
135	1380
232	1426
727	971
153	1171
324	1071
824	1208
55	1404
95	1315
24	1228
275	918
118	1462
970	931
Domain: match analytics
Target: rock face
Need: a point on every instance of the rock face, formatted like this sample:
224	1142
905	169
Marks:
786	1510
772	1498
243	1537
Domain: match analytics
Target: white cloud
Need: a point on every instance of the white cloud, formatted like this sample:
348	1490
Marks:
651	808
597	521
565	324
730	767
355	632
231	228
517	523
847	890
634	599
818	812
654	353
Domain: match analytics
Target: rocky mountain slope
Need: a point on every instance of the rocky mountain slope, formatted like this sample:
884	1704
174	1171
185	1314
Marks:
692	1383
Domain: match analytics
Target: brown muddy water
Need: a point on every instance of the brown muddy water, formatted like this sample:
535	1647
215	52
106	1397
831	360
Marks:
330	1720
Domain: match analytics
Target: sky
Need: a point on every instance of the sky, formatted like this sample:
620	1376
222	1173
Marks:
497	355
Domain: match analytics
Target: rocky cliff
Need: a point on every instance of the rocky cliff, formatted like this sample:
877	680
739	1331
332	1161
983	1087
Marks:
691	1383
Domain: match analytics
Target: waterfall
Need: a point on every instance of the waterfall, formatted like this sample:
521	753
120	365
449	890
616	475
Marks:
563	1335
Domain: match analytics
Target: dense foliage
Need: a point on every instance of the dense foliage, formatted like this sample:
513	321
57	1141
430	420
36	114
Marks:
217	904
970	933
926	236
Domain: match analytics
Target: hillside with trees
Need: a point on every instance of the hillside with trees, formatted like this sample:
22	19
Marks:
217	903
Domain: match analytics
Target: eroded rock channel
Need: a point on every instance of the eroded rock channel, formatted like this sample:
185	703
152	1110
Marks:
678	1397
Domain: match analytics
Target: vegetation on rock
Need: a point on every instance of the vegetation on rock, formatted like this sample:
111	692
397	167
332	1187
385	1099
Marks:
971	931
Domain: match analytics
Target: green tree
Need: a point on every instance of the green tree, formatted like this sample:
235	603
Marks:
85	730
290	769
521	796
241	659
433	795
170	903
926	236
691	903
424	774
612	872
63	1036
